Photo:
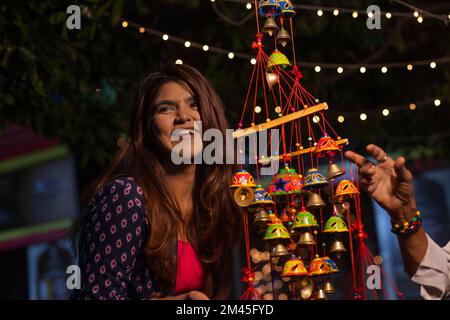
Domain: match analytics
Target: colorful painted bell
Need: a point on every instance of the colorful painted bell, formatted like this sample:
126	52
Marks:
270	26
345	190
335	224
287	8
261	198
304	219
319	267
326	146
243	196
283	37
287	181
274	219
331	263
314	179
269	8
243	179
276	232
294	267
277	59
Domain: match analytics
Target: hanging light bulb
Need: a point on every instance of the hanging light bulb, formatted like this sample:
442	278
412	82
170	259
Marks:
165	37
388	15
336	12
432	64
363	116
355	14
317	69
385	112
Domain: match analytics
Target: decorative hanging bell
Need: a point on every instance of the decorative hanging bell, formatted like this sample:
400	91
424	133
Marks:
314	179
328	287
272	79
306	238
315	202
243	196
283	37
320	294
270	26
337	247
279	251
334	171
261	217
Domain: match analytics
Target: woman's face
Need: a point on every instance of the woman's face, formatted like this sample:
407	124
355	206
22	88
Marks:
176	111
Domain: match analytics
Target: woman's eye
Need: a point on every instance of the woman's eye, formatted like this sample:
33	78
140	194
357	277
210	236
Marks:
165	108
194	105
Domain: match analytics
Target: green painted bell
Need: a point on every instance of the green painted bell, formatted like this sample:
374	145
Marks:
278	59
287	181
335	224
304	219
276	232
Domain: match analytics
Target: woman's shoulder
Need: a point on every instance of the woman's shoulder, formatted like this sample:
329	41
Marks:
119	194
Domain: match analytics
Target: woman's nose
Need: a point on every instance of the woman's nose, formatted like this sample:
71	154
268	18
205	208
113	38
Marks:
184	114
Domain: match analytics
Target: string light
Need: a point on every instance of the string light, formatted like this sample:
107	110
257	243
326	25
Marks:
437	102
370	14
430	62
388	15
248	6
385	112
416	14
253	61
355	14
316	119
319	13
179	61
420	19
341	119
257	109
412	106
363	116
336	12
384	69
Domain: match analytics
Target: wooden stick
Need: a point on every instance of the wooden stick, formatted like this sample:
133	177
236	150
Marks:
281	120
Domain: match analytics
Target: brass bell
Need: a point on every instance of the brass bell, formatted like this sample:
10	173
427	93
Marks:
328	287
306	238
270	26
315	202
320	294
272	79
334	171
306	287
279	251
243	196
283	37
261	217
337	247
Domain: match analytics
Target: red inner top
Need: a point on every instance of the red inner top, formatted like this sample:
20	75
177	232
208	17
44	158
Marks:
189	269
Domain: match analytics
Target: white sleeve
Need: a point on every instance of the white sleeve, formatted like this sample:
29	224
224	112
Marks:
433	274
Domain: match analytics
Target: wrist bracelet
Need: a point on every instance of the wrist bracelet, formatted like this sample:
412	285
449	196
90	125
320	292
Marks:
407	228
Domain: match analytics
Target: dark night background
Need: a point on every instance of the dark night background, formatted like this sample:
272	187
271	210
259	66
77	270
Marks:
76	85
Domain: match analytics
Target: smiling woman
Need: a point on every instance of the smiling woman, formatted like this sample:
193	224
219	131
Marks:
153	228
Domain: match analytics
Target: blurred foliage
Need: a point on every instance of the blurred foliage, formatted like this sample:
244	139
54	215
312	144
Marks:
77	84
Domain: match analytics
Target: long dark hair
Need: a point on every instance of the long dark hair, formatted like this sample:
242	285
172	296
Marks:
214	226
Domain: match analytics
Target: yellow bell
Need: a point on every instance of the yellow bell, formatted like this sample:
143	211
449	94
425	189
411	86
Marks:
320	294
